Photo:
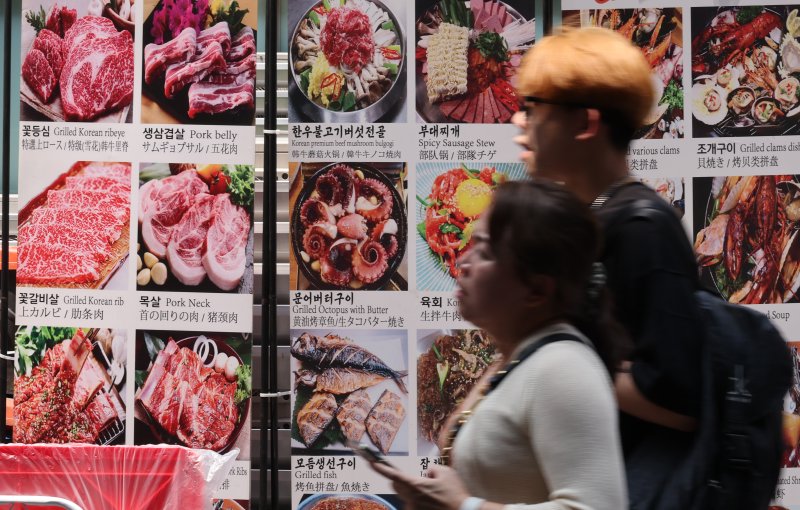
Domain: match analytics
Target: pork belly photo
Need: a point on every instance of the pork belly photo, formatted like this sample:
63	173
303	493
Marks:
193	390
67	386
349	385
195	228
74	233
77	62
198	68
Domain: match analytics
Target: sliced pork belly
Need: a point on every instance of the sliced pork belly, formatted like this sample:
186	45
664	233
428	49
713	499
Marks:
167	204
179	75
185	248
224	259
158	56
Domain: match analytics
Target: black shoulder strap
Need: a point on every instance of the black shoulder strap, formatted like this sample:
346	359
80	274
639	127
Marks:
643	208
526	353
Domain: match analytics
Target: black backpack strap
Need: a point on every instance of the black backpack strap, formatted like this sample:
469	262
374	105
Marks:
646	209
526	353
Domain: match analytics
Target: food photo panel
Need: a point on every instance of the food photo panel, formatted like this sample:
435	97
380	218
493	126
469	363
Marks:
450	198
69	385
194	389
467	54
199	62
746	237
195	228
348	226
74	227
449	363
659	34
77	60
745	70
350	501
350	385
347	60
791	414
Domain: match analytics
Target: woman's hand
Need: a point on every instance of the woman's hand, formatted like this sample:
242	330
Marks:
442	489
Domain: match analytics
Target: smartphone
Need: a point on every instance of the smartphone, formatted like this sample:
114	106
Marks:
368	453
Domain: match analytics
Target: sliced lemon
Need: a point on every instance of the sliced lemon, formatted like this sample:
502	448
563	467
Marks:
793	24
473	196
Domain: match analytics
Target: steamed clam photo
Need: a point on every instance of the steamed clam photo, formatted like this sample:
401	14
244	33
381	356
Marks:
745	71
347	60
746	236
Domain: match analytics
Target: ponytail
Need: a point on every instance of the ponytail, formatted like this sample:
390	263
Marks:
597	322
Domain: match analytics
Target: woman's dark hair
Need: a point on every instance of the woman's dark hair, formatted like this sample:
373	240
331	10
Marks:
543	229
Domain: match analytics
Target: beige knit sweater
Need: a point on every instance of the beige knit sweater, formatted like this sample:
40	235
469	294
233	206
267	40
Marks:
546	438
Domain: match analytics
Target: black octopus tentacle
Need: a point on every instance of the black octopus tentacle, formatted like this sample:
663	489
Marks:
314	211
387	240
327	187
336	265
369	261
345	176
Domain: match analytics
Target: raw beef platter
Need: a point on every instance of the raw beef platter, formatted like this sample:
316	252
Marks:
62	393
199	69
196	392
75	233
77	68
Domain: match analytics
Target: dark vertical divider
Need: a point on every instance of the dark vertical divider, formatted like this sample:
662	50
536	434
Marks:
548	16
269	344
6	274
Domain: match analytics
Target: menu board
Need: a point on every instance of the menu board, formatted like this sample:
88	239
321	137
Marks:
724	140
399	133
135	237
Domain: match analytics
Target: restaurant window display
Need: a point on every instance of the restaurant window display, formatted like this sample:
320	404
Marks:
135	227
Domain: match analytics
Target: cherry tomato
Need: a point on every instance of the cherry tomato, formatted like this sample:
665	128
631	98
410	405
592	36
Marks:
219	183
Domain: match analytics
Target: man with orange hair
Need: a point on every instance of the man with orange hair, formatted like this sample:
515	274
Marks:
586	92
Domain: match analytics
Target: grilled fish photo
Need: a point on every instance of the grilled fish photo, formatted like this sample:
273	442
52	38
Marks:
334	352
339	381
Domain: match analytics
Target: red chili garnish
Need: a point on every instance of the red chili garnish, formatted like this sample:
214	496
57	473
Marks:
328	81
320	9
422	53
390	54
338	86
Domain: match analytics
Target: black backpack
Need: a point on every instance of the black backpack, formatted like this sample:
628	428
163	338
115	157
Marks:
747	371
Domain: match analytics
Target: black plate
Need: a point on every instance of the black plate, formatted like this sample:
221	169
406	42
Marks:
398	214
154	427
178	106
701	17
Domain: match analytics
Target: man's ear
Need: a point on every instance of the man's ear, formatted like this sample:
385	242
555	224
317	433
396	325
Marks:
591	124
